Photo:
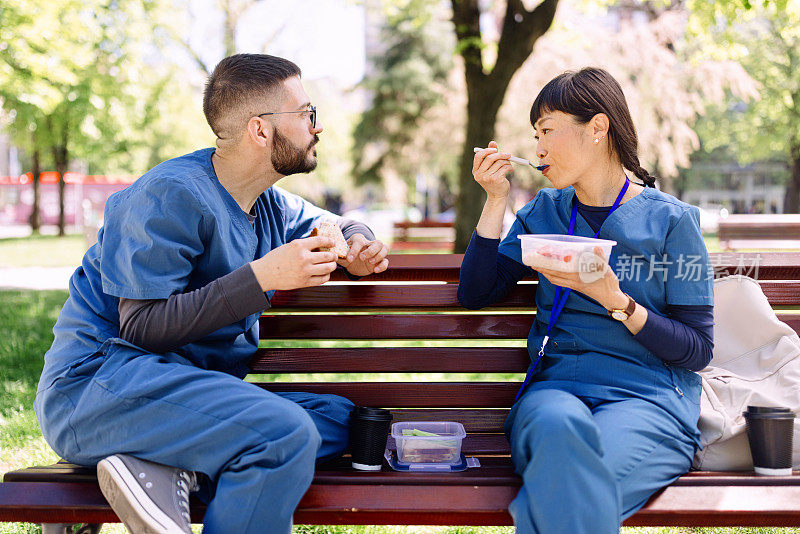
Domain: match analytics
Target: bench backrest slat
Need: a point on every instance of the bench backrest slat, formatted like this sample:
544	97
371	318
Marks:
381	296
411	394
403	326
391	360
445	267
485	420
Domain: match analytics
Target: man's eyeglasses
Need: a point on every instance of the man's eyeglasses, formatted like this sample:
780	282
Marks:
311	110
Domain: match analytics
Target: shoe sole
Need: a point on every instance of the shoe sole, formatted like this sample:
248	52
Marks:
130	502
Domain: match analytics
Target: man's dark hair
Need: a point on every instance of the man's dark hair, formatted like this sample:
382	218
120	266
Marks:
583	95
238	80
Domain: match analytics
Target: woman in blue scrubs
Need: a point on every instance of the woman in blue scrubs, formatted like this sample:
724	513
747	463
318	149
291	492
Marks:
608	411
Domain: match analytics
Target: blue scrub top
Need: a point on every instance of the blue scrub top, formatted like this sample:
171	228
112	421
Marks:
174	230
660	259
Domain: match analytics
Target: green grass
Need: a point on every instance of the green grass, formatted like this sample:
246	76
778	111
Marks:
26	323
42	251
26	320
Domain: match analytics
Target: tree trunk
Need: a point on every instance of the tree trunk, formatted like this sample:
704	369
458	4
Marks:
482	109
791	202
61	161
36	169
485	91
229	34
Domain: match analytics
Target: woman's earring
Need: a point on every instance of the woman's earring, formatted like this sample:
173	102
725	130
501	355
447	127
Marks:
598	140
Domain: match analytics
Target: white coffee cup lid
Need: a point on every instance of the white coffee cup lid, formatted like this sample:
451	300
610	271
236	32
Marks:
783	471
366	467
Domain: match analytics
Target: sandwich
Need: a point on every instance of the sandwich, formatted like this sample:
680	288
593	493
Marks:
332	230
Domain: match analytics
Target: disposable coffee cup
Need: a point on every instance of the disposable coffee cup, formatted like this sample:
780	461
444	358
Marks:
769	431
369	431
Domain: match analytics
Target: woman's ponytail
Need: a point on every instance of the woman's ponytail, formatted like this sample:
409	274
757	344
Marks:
644	176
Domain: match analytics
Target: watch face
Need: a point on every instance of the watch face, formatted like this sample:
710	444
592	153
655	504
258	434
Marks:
619	315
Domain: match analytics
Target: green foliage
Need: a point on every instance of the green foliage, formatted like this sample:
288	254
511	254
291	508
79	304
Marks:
409	81
710	14
765	40
78	75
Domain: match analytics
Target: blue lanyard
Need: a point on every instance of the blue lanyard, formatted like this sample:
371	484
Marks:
560	299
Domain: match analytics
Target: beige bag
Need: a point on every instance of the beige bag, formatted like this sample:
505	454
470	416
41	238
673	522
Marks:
756	361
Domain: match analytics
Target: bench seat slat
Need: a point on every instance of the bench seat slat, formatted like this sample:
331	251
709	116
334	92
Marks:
479	505
391	360
411	394
54	502
495	470
428	504
63	502
721	506
445	326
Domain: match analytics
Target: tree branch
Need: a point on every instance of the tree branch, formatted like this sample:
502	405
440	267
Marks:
196	57
521	29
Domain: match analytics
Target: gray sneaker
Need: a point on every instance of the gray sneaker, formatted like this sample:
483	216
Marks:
149	498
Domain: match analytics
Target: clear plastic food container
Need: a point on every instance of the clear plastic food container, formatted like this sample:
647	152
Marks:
565	253
428	441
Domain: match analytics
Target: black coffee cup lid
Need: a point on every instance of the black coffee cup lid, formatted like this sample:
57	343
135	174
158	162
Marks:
768	409
373	414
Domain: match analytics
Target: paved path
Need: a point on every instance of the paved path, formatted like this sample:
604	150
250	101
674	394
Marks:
35	277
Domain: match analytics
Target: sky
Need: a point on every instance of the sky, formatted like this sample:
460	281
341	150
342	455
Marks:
324	37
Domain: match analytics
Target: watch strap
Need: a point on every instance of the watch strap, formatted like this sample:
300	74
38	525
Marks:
628	311
631	305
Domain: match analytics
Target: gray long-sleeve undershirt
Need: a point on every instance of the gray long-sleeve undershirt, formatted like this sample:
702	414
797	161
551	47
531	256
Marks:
163	325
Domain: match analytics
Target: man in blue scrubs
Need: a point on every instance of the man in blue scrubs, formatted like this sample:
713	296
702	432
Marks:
144	377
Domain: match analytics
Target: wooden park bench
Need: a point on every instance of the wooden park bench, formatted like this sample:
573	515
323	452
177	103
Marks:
759	231
415	327
425	235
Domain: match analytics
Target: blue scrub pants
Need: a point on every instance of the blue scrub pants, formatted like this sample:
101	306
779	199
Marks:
257	448
587	464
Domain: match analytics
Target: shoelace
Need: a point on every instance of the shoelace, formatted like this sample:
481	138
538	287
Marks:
187	481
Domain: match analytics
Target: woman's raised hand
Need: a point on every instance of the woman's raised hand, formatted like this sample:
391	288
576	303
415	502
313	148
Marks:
599	283
489	167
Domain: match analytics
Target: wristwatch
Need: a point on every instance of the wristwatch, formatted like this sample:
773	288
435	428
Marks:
623	314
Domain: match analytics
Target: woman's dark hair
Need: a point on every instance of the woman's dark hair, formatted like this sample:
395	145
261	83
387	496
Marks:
586	93
239	78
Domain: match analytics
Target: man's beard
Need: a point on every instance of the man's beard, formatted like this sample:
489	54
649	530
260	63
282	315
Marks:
288	159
